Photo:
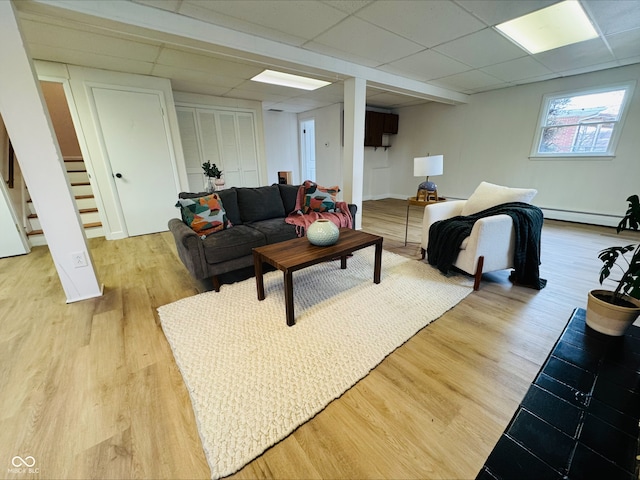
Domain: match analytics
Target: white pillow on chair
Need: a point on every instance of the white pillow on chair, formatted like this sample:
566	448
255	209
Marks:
489	195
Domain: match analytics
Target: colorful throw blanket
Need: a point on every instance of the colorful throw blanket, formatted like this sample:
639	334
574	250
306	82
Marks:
342	216
446	236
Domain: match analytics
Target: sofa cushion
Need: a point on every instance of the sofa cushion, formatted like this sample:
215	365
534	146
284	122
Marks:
289	194
233	243
260	203
275	230
489	195
229	197
205	215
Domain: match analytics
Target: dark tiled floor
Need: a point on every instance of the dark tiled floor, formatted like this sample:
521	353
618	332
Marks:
579	419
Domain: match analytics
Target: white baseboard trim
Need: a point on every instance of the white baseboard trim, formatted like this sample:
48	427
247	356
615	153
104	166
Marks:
581	217
549	213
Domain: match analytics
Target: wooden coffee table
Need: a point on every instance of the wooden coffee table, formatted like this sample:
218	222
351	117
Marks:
298	253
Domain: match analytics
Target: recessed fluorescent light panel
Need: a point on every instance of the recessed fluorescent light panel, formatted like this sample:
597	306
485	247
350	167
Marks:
288	80
561	24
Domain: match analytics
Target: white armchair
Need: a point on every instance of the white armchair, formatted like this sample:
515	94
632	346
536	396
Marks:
491	244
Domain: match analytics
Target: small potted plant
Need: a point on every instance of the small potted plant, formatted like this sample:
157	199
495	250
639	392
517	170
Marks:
211	172
611	312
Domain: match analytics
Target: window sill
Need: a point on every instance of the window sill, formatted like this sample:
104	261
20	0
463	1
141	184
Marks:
571	157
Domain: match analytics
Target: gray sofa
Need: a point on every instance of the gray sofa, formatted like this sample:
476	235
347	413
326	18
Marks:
257	215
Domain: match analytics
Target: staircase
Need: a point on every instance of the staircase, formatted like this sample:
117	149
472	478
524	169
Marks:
85	201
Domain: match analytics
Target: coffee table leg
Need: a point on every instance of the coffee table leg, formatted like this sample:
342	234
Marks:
343	262
257	266
288	297
378	263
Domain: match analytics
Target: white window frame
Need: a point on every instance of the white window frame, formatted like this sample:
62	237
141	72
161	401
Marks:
617	129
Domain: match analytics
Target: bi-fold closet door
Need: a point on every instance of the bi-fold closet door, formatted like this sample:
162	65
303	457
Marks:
224	137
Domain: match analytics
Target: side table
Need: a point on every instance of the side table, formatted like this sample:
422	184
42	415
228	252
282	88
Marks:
418	203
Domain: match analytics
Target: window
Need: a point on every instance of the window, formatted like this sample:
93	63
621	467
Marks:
581	124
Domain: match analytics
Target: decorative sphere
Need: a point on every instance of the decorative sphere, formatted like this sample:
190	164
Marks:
323	233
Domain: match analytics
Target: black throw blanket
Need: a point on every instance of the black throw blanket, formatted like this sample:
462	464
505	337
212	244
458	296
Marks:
446	236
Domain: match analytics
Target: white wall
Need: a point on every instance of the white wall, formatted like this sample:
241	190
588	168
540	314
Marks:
328	123
490	139
281	145
378	171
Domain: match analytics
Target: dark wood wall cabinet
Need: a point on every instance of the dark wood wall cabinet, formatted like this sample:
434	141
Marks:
377	124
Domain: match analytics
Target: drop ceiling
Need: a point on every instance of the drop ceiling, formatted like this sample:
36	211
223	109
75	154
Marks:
410	52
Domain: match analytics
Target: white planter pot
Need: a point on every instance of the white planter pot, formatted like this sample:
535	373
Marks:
323	233
610	319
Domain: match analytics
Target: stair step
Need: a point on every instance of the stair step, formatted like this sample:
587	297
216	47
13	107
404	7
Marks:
77	171
77	197
80	184
70	160
86	225
80	210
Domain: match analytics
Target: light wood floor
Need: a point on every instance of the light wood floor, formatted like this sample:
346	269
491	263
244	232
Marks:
90	390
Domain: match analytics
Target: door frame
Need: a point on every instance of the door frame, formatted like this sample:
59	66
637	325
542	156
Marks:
304	157
84	149
90	86
81	79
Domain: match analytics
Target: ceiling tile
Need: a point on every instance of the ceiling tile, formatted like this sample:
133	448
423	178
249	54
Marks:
626	44
614	17
298	18
357	37
182	58
493	12
86	59
89	42
518	69
338	52
392	100
180	85
578	55
426	65
473	80
427	23
591	68
481	49
348	6
169	5
198	76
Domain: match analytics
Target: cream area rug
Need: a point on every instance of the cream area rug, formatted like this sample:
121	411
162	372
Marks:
253	380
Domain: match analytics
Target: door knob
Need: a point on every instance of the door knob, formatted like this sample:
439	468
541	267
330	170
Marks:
118	175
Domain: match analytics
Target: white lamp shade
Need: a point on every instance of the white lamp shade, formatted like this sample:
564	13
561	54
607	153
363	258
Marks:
428	166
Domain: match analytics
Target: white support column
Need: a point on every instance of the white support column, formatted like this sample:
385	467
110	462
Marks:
28	124
355	101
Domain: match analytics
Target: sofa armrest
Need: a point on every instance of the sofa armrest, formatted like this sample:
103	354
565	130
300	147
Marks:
438	211
190	248
353	209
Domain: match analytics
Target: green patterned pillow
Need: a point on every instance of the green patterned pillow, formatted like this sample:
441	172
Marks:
319	199
205	215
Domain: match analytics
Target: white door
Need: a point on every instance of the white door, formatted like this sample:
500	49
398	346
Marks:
12	241
308	147
136	142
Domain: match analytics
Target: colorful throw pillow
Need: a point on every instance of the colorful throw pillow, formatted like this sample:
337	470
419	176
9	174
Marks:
319	199
205	215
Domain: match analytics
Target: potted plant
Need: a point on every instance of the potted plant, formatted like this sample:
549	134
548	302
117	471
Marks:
211	171
611	312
